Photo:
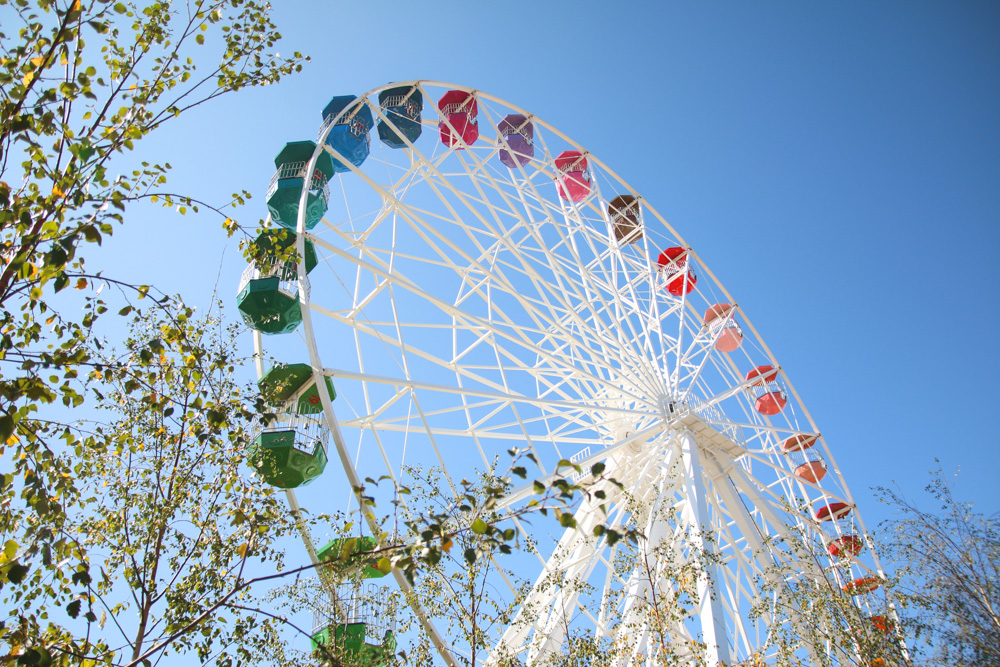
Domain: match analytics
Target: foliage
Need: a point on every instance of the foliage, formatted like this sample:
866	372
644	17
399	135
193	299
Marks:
167	514
446	539
81	85
814	622
663	570
473	534
949	562
174	514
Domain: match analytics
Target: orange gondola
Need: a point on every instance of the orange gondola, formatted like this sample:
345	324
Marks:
798	443
718	317
862	585
832	511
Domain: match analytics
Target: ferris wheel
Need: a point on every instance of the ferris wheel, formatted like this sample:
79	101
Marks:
470	280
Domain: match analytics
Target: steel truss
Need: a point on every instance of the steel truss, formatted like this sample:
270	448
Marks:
463	308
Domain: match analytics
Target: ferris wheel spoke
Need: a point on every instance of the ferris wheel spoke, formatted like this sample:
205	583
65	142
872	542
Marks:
574	316
543	616
494	396
397	279
596	303
576	260
693	361
598	266
439	422
508	289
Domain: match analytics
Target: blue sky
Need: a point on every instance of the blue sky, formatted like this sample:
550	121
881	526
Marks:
835	164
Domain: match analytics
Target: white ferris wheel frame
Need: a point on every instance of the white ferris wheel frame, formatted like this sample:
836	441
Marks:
688	447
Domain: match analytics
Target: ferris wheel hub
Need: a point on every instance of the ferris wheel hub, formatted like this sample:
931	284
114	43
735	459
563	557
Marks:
667	407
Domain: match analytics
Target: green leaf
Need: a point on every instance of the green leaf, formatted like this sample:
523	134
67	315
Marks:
91	234
597	469
6	427
73	608
479	527
9	550
16	573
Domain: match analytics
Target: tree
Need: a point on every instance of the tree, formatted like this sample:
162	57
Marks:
447	538
815	622
812	619
454	584
168	514
949	564
82	83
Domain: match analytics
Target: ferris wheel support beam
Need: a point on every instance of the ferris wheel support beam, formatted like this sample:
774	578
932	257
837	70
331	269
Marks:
548	602
729	495
710	609
555	594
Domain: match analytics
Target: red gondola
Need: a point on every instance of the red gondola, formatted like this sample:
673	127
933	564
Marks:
573	179
460	126
862	585
673	263
882	623
844	546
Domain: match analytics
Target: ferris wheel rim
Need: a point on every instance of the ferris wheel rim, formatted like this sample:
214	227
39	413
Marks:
319	370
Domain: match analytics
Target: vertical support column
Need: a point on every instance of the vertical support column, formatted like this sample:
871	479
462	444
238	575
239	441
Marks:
713	625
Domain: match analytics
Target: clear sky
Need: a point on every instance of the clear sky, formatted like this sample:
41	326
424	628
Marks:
835	164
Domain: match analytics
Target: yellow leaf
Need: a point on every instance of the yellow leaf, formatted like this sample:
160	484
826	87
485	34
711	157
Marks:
242	549
384	566
13	439
81	283
28	77
57	191
76	8
349	547
446	543
37	62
